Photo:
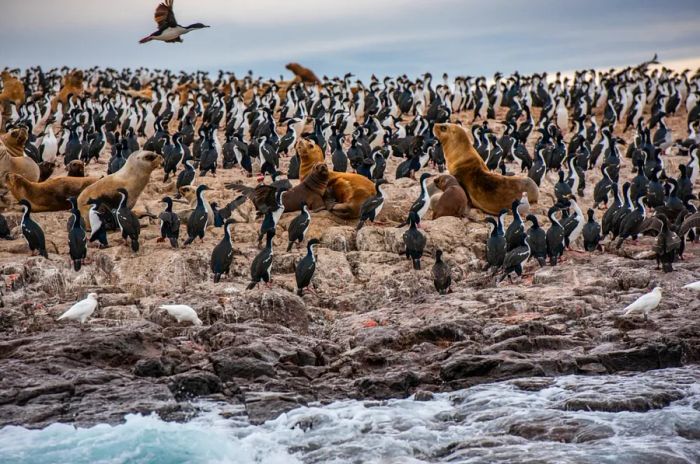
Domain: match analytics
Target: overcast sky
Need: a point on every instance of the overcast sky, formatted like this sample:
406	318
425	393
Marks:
361	36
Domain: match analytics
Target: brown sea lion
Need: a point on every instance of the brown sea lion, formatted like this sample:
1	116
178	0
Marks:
72	85
453	201
310	191
305	74
15	140
12	89
76	168
51	195
134	177
346	191
22	165
486	190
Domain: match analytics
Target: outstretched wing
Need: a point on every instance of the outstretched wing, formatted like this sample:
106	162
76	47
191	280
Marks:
262	196
164	15
231	207
651	224
690	222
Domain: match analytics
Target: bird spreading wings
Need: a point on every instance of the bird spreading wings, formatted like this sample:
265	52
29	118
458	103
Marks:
164	15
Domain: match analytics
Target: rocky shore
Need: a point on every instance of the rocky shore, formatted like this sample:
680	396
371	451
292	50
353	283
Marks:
374	328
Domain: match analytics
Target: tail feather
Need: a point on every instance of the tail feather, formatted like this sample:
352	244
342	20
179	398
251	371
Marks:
289	247
251	285
134	245
145	39
217	278
77	264
173	242
416	264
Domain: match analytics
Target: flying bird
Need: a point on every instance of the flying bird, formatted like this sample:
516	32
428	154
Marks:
168	28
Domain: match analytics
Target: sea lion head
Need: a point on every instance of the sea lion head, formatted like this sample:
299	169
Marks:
308	150
444	181
456	145
145	161
320	171
76	168
16	138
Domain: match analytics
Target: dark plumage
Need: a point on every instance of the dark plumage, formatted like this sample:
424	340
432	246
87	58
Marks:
199	219
222	255
496	243
442	274
414	240
77	239
261	266
516	229
591	232
515	259
128	222
372	206
299	226
306	267
555	237
169	224
537	240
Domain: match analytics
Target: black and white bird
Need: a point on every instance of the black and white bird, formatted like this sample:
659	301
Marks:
555	237
306	267
222	255
32	231
516	258
272	217
442	274
98	224
261	266
185	177
422	204
127	221
77	238
199	218
516	229
414	240
372	206
299	226
496	243
537	240
591	232
169	223
168	28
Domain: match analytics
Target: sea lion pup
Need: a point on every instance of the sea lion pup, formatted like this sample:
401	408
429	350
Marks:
486	190
346	192
304	74
22	165
15	140
72	86
453	201
310	191
76	168
134	177
51	195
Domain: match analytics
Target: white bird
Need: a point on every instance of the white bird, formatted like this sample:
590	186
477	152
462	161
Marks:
182	313
694	286
81	310
645	303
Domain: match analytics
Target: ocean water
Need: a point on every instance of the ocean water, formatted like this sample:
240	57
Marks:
506	422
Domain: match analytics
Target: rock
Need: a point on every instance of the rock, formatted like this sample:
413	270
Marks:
264	406
247	368
422	395
193	384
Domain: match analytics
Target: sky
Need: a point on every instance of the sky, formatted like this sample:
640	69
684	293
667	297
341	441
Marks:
386	37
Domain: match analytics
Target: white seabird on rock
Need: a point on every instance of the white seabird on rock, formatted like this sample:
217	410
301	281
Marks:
644	303
182	313
82	310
